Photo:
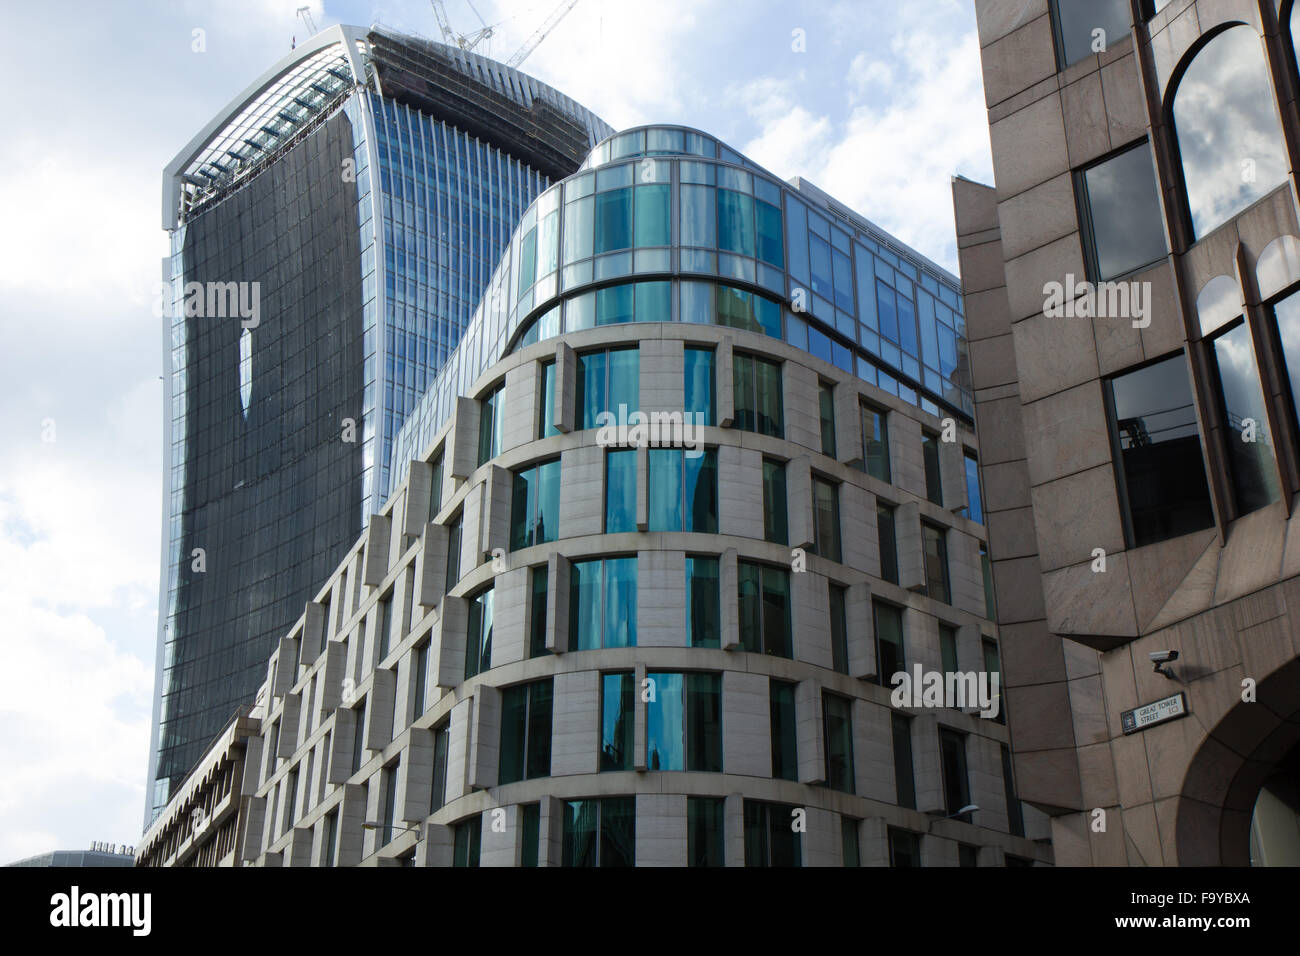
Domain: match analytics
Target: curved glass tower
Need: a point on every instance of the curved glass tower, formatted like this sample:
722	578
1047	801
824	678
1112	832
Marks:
664	529
332	231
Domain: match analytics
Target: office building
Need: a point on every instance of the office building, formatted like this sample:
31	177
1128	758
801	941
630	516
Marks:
1131	296
560	644
331	230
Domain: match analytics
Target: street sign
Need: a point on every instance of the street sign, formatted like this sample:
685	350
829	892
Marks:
1156	712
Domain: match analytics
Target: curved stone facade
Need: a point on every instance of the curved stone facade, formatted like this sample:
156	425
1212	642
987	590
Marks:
556	646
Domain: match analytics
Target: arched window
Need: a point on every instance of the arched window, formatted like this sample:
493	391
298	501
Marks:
1227	129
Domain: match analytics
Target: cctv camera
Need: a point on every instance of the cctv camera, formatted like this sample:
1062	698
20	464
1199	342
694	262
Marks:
1163	657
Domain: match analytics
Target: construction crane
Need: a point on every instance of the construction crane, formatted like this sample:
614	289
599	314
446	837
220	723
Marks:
464	41
539	35
305	14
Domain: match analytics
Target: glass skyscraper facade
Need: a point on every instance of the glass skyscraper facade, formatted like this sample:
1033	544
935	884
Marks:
331	231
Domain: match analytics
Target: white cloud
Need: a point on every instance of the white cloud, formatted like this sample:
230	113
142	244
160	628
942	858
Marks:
891	160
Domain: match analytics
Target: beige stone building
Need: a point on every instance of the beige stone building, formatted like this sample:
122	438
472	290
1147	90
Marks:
1131	293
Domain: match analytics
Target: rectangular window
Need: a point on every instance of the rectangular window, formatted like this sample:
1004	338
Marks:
785	763
539	583
887	539
837	731
930	455
606	380
600	832
703	602
993	665
967	855
1286	314
948	648
527	263
466	838
358	737
384	625
602	604
1076	23
904	848
478	634
441	745
770	836
757	391
1119	208
1161	473
764	609
775	523
768	224
735	222
616	721
453	551
875	442
613	220
388	781
849	841
421	664
699	384
546	403
889	641
530	834
291	800
935	546
699	216
826	412
1015	812
975	510
986	570
620	491
525	732
330	843
614	305
820	260
435	489
826	519
651	220
839	628
683	490
956	781
535	505
684	722
904	776
491	422
705	822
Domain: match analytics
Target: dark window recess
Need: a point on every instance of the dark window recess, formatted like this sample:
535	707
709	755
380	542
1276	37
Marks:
1160	471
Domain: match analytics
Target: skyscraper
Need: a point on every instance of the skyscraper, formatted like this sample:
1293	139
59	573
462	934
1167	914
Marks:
332	230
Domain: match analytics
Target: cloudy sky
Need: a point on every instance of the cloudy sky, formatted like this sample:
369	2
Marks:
881	108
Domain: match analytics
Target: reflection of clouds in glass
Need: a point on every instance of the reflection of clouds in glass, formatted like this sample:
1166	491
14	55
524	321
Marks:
1128	231
1288	327
1160	396
1228	133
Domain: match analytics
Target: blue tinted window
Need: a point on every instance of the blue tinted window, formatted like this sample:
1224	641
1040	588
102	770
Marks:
652	221
620	491
843	281
820	254
703	602
614	305
796	230
768	223
699	388
653	303
602	604
698	216
735	222
907	324
613	220
976	509
885	310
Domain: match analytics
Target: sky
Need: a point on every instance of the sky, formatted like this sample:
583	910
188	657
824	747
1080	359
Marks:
878	103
